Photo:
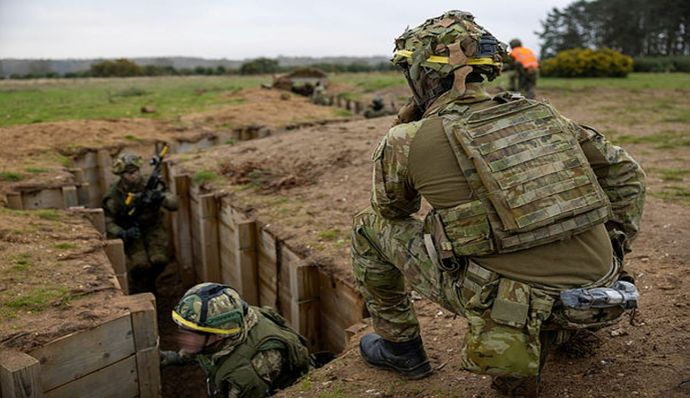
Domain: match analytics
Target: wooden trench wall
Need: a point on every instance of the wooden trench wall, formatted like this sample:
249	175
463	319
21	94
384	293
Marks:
93	175
118	358
215	242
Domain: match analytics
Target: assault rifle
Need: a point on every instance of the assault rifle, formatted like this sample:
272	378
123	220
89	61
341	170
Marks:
145	198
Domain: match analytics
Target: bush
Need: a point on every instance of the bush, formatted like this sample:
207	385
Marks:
580	62
677	63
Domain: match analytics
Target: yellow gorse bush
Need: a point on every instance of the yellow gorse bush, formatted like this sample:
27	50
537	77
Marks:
584	62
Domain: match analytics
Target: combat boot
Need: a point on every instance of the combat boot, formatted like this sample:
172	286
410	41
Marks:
407	358
516	387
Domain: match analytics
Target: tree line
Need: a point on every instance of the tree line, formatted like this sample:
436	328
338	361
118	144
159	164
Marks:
126	68
639	28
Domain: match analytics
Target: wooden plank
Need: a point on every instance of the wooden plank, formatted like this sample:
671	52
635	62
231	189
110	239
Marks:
123	282
105	164
117	380
78	175
14	201
49	198
142	308
80	353
237	235
115	250
182	229
96	216
70	197
267	269
84	193
148	371
208	239
304	296
341	306
247	261
19	375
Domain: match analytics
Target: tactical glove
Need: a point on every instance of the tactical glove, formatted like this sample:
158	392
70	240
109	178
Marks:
130	234
154	198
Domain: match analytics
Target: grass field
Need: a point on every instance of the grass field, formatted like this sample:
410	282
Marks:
23	102
35	101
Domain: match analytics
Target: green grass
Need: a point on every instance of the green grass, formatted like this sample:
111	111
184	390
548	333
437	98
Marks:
340	112
674	193
37	299
371	82
203	176
36	170
64	246
23	102
329	234
48	214
22	262
10	176
674	174
634	81
662	140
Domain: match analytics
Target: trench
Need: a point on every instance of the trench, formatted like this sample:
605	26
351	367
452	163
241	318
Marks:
213	240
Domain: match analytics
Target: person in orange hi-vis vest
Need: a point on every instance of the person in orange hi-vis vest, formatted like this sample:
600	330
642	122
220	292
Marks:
526	69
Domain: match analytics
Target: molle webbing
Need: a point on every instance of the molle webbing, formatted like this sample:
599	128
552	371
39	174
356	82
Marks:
529	172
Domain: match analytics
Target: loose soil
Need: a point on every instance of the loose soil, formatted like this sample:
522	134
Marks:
40	154
54	277
307	185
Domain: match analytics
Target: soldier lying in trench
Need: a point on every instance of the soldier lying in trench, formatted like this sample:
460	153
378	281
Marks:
245	351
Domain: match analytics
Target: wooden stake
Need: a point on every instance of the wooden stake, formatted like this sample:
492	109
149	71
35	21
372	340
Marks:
182	229
19	375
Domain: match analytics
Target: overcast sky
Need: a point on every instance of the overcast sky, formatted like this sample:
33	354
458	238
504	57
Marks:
239	29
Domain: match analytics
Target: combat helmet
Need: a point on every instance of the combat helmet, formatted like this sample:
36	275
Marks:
439	54
212	308
126	161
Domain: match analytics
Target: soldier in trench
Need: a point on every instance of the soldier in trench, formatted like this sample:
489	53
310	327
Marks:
245	351
532	214
139	222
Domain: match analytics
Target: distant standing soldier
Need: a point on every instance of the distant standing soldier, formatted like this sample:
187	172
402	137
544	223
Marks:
245	351
531	216
525	68
318	96
133	213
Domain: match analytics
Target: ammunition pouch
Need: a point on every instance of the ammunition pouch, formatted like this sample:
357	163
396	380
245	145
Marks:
505	320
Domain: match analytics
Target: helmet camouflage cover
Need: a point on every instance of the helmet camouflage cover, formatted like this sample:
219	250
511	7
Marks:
212	308
126	161
449	44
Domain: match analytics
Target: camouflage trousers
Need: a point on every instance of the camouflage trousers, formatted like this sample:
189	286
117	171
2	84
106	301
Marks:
387	253
509	322
147	258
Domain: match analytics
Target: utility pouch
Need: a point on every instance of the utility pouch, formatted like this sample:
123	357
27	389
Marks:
505	321
467	228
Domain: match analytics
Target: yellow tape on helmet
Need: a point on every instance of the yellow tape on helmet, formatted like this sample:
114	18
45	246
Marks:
191	325
436	59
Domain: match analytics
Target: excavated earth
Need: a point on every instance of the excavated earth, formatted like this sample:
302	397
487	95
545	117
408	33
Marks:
55	278
306	186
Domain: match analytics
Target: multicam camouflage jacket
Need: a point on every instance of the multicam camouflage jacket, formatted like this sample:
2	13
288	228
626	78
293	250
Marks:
117	215
621	178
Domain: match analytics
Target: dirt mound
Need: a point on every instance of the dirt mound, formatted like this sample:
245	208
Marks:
54	277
